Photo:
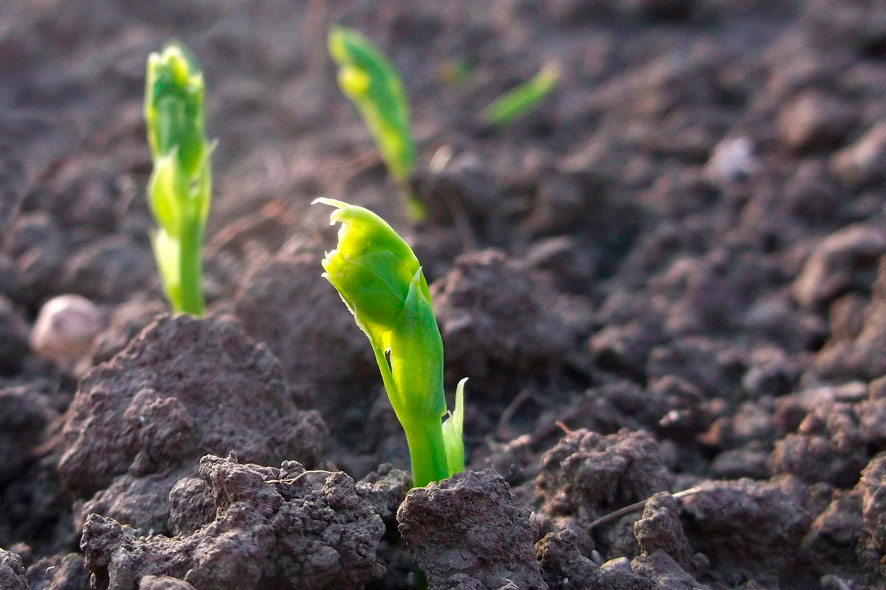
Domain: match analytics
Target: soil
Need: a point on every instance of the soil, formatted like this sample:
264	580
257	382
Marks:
670	276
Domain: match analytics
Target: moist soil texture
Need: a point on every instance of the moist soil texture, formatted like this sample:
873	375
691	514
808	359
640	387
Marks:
666	283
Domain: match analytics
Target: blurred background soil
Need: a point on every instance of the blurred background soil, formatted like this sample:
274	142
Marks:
671	274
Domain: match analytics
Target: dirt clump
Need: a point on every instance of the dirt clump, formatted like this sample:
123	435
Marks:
315	327
25	410
873	486
587	475
853	351
565	568
744	527
469	531
138	423
273	528
13	338
660	529
59	572
829	446
491	315
12	571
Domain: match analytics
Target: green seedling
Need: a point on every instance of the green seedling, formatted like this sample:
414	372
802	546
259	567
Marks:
525	97
380	280
180	185
367	77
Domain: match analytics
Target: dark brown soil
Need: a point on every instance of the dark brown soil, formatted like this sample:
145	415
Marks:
670	276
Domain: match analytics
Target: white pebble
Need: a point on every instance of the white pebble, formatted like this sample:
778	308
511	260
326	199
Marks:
66	327
732	159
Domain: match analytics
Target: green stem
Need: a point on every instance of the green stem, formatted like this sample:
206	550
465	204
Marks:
427	451
416	209
191	268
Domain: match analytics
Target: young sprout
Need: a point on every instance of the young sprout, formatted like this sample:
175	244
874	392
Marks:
380	280
373	85
522	99
180	184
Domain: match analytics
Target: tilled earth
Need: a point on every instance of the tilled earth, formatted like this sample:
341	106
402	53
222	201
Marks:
671	277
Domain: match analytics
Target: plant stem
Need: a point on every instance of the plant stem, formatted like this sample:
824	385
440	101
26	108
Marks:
191	268
427	451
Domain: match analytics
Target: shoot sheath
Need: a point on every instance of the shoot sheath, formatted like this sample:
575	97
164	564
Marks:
180	185
380	280
525	97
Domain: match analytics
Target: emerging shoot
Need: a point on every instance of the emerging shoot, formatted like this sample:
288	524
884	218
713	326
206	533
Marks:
180	184
380	280
525	97
367	77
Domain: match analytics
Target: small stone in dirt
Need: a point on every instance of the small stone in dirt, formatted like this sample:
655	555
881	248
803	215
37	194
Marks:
284	528
589	475
12	572
469	531
66	327
732	159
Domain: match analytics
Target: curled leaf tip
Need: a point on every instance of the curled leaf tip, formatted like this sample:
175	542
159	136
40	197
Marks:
331	202
372	83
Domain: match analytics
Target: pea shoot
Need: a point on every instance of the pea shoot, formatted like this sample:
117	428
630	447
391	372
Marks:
372	83
180	184
380	280
525	97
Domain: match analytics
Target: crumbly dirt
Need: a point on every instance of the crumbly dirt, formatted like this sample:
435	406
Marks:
469	531
271	528
670	276
182	388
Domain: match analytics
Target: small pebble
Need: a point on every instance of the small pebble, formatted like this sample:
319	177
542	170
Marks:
66	327
732	159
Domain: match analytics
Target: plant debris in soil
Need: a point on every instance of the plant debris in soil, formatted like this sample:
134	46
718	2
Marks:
670	275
